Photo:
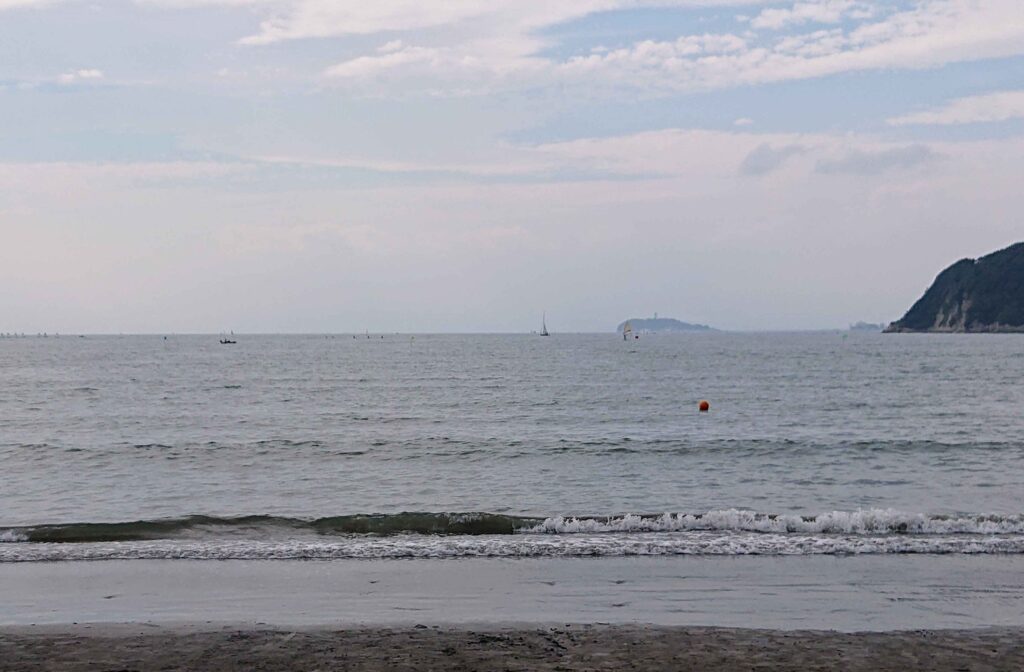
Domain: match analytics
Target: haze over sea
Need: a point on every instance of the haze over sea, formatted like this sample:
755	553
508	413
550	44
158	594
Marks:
513	446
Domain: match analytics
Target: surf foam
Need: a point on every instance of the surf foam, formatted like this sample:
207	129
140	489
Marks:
704	543
869	521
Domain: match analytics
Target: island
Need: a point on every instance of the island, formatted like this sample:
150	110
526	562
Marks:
660	325
867	326
983	295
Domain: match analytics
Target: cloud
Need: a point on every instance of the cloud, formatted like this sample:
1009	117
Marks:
822	11
78	75
743	121
392	46
930	33
443	64
483	46
765	158
303	19
999	106
858	162
499	49
17	4
497	63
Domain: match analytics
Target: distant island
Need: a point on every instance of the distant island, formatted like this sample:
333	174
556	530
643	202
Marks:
867	326
983	295
655	325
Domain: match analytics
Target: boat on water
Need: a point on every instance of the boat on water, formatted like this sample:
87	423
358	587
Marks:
627	331
227	341
544	325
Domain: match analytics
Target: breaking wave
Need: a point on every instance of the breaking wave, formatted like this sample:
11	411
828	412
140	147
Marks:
698	543
476	534
871	521
262	526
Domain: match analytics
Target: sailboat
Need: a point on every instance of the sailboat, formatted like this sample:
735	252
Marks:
544	325
627	331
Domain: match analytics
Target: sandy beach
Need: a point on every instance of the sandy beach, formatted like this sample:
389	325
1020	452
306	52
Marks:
143	647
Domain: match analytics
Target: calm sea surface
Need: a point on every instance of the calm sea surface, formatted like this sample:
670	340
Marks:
510	446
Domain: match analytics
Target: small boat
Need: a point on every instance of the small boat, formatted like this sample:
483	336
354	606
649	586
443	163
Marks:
627	331
544	325
227	341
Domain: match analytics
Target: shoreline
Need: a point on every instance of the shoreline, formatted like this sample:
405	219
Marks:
848	594
208	646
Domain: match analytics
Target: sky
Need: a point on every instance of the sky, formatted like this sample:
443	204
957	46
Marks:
424	166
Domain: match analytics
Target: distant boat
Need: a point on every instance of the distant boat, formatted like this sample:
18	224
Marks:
544	325
627	330
227	341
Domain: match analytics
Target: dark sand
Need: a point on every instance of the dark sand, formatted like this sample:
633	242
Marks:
580	647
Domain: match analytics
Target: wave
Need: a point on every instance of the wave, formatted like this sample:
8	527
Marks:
870	521
701	543
472	524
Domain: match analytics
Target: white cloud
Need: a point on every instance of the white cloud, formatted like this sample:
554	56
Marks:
932	33
78	75
409	58
16	4
304	19
743	121
480	46
822	11
999	106
484	65
389	47
474	46
505	54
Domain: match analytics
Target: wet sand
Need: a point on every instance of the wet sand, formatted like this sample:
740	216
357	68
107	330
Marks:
144	647
849	594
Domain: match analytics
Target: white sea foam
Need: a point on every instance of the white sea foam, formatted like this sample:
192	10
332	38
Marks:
869	521
708	543
11	536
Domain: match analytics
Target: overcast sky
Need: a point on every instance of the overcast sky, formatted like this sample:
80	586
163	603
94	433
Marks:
418	165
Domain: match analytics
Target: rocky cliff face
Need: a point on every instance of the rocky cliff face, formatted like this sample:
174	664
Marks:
972	295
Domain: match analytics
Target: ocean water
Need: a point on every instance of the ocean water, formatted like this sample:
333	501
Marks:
510	446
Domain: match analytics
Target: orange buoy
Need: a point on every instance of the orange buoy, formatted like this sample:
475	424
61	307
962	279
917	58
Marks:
704	406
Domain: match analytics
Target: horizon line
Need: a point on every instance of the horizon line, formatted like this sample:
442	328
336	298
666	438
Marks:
76	334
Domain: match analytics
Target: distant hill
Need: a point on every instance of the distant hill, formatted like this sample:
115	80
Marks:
972	295
662	325
867	326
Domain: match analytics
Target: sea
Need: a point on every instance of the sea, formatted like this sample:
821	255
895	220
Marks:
377	448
